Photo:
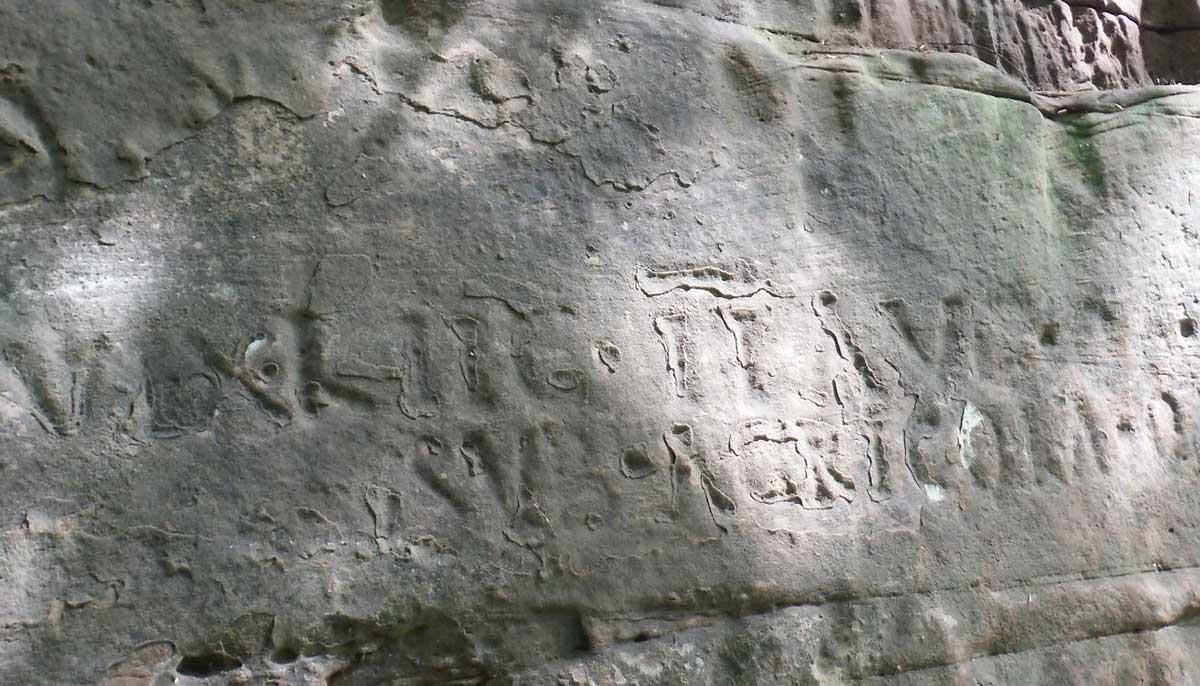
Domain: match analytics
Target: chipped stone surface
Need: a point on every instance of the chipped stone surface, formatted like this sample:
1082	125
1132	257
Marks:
625	342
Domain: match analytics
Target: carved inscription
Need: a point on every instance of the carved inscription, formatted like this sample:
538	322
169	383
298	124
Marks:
672	332
964	428
738	282
808	463
834	406
466	330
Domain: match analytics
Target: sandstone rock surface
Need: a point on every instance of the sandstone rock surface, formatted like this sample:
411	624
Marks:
351	342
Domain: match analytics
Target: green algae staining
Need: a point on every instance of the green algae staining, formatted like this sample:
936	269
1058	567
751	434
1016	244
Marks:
1082	152
844	108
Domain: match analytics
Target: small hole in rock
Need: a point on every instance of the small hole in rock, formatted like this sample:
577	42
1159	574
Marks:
207	664
828	298
1187	327
285	654
270	369
1049	335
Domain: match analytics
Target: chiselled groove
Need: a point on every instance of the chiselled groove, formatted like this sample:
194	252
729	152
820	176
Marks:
716	281
680	447
1177	419
466	329
737	321
521	299
319	386
824	307
671	329
629	186
57	415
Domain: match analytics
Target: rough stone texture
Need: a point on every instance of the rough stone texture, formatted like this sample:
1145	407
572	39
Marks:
520	342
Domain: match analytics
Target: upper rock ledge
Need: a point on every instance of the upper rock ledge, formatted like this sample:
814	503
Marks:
90	93
1061	45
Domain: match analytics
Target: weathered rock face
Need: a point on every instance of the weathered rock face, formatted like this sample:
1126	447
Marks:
428	342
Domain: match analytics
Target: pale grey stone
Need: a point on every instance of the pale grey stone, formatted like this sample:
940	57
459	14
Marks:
614	342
